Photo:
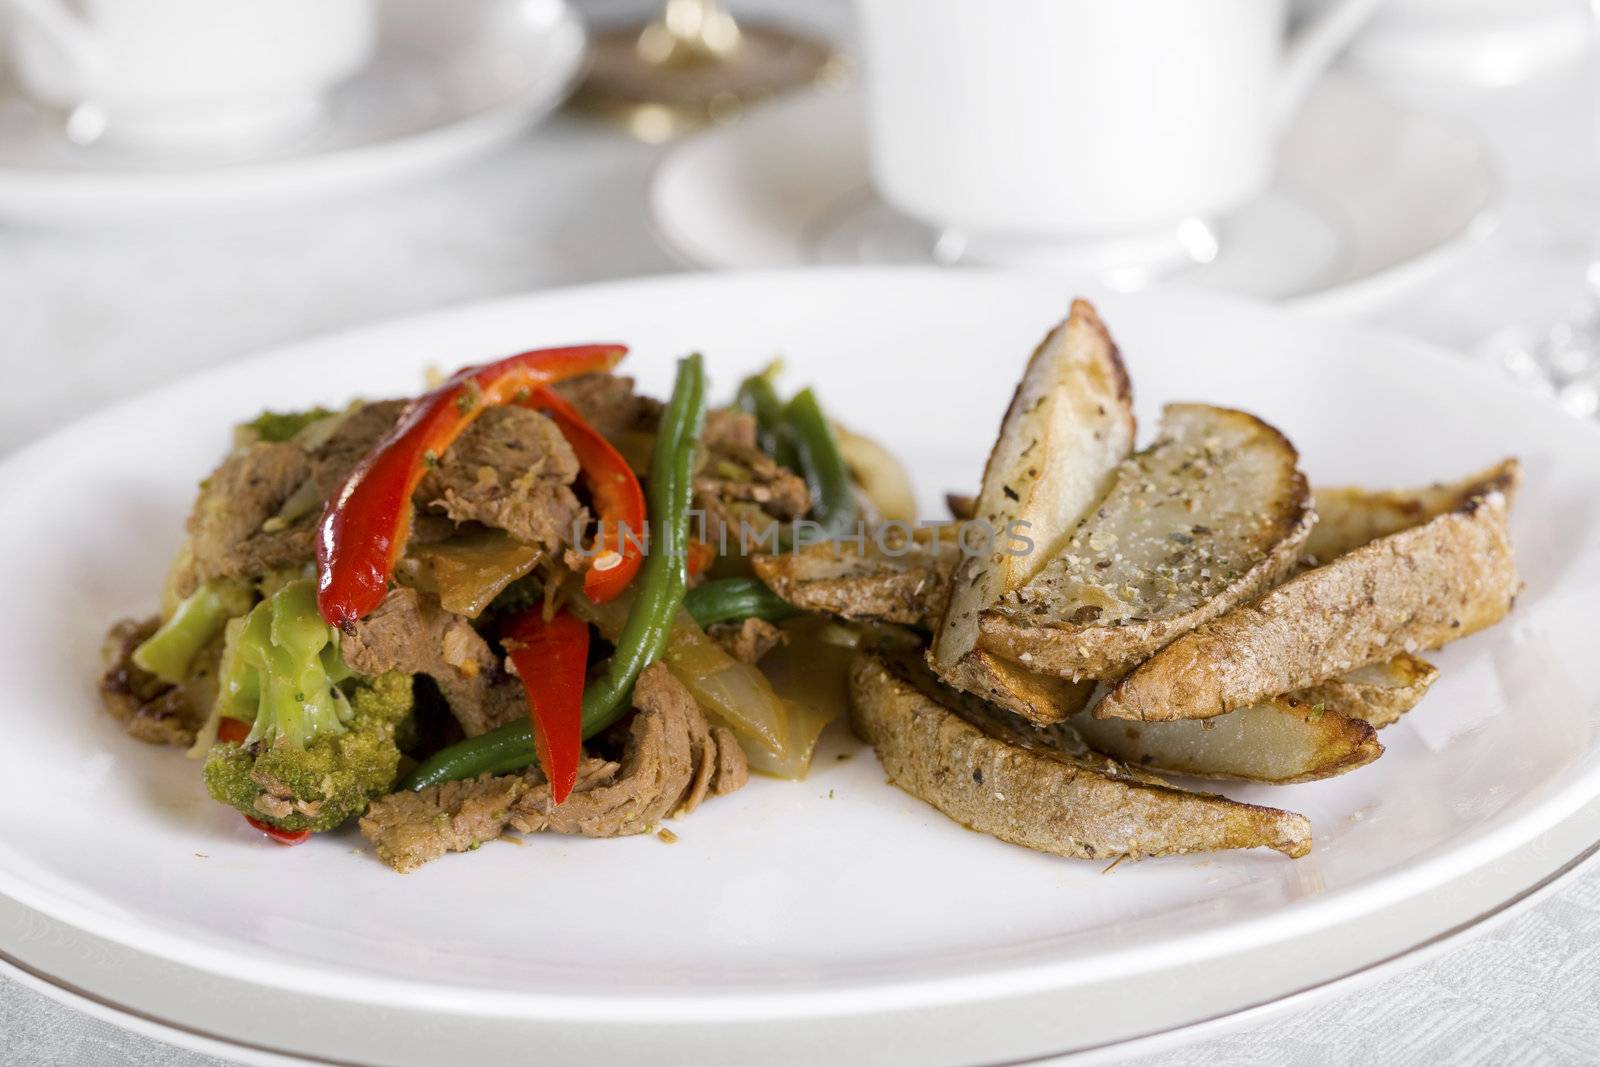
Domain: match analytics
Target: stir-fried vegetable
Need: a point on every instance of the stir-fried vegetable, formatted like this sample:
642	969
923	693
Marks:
618	500
643	637
833	495
732	599
466	572
879	474
280	426
198	618
314	754
757	396
551	658
366	522
734	693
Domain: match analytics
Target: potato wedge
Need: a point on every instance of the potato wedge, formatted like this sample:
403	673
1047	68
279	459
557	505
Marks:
1042	699
1069	426
1211	515
1379	693
892	578
1042	789
1422	587
1349	517
1278	741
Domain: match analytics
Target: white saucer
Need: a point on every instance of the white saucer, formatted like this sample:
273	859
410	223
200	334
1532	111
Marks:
1367	195
446	81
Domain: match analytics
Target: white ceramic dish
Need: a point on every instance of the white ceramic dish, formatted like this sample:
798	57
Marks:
839	898
1138	1015
442	85
1368	197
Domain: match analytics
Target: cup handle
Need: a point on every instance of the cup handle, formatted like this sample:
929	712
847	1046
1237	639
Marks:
71	36
1314	46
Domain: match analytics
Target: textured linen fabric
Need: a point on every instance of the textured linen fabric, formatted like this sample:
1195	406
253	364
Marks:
109	314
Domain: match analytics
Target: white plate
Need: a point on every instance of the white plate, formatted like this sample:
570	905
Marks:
839	897
1134	1015
443	84
1368	197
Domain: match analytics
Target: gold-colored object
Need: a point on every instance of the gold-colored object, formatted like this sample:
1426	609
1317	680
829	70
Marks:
694	65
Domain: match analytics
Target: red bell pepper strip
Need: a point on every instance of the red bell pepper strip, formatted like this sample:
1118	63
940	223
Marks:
282	837
365	523
552	657
618	500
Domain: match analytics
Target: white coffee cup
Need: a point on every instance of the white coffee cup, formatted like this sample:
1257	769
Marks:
190	72
1067	129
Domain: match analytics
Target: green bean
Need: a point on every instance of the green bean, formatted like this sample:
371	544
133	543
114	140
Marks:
757	397
833	495
730	599
660	584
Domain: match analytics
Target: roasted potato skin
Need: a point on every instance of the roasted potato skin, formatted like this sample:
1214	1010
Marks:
1030	628
1046	796
1349	516
1379	694
1069	425
1419	588
864	584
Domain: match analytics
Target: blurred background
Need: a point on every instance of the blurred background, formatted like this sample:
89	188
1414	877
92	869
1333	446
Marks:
1439	177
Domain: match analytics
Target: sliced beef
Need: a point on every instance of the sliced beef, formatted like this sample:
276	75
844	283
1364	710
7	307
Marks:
608	403
672	760
150	709
742	493
410	828
411	633
236	501
729	426
748	640
512	470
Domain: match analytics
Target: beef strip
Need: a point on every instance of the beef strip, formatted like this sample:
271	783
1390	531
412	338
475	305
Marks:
729	426
742	493
150	709
510	469
672	760
747	640
608	403
410	632
234	503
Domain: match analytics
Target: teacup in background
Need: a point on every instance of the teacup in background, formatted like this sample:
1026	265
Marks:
189	73
1078	130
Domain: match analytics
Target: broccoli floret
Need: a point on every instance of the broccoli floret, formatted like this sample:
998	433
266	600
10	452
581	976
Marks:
318	750
198	618
280	426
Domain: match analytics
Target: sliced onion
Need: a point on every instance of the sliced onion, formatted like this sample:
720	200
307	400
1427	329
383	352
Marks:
879	474
470	569
736	694
810	673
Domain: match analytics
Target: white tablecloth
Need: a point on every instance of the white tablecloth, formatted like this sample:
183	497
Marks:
89	317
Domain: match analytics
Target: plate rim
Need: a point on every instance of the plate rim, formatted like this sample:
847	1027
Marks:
196	1037
853	996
